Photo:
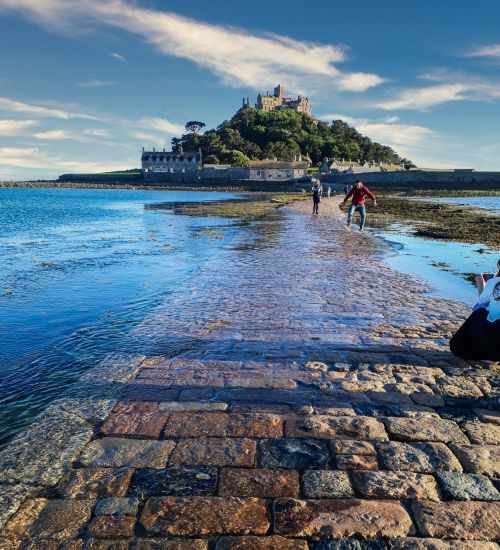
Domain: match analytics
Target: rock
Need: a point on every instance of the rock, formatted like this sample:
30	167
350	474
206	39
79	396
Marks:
483	434
215	452
326	484
141	425
350	544
398	485
328	427
424	458
185	516
260	543
168	544
306	410
117	507
10	544
460	520
341	518
356	462
21	521
116	453
95	482
224	425
296	454
110	544
428	399
436	544
353	447
488	416
28	459
316	365
425	429
459	486
109	527
175	480
479	459
11	498
240	482
192	406
61	520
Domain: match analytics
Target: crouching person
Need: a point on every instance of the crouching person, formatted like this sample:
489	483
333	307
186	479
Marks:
478	339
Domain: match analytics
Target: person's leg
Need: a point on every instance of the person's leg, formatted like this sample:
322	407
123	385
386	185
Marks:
362	215
349	214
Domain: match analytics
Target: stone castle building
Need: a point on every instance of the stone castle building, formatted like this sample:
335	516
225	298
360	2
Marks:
279	101
167	162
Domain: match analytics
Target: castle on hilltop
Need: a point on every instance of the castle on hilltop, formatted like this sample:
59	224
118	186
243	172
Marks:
279	101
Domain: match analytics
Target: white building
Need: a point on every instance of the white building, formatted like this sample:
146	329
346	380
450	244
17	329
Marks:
167	162
276	170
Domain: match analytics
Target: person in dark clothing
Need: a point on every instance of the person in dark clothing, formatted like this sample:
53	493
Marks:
358	194
478	339
316	196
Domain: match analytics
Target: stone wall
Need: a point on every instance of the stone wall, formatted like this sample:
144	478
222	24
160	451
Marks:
421	178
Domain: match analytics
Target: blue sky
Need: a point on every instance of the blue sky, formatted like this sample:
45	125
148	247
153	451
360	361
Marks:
85	83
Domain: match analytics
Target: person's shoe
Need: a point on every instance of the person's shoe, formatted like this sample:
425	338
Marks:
361	228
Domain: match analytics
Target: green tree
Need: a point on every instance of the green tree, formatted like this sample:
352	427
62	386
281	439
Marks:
284	134
194	126
235	158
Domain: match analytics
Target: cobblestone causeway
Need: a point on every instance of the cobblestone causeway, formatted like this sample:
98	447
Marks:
319	409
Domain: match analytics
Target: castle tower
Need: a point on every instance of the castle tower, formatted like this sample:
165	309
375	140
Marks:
279	91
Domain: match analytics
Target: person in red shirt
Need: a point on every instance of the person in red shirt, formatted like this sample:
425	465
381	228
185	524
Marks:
358	194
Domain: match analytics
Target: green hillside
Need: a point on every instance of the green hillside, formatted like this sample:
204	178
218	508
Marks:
252	134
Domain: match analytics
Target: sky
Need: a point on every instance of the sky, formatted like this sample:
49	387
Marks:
85	84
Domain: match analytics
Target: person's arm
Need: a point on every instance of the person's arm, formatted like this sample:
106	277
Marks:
371	195
348	196
480	283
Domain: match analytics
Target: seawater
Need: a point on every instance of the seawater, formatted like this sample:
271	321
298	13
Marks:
446	265
79	270
491	203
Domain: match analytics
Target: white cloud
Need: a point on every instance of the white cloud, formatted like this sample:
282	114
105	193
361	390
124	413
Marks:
148	139
236	56
119	57
423	98
447	86
96	84
389	131
82	136
492	50
161	125
15	127
98	133
54	135
359	82
14	106
34	158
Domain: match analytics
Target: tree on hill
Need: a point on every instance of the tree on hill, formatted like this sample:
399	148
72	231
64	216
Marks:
284	134
194	126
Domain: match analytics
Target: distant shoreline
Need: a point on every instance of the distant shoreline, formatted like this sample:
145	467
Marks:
258	187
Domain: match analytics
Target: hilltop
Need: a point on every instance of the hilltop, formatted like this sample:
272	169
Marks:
253	134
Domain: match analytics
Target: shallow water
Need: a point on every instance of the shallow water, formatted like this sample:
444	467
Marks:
492	204
80	269
88	272
446	266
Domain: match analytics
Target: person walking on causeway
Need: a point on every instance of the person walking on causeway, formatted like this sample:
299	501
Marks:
358	194
316	196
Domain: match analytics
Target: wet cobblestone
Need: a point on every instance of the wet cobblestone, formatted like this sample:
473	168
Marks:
304	414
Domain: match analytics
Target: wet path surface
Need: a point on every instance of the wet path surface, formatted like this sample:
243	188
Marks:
304	395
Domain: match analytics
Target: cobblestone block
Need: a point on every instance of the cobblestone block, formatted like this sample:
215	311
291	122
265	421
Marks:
186	516
241	482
